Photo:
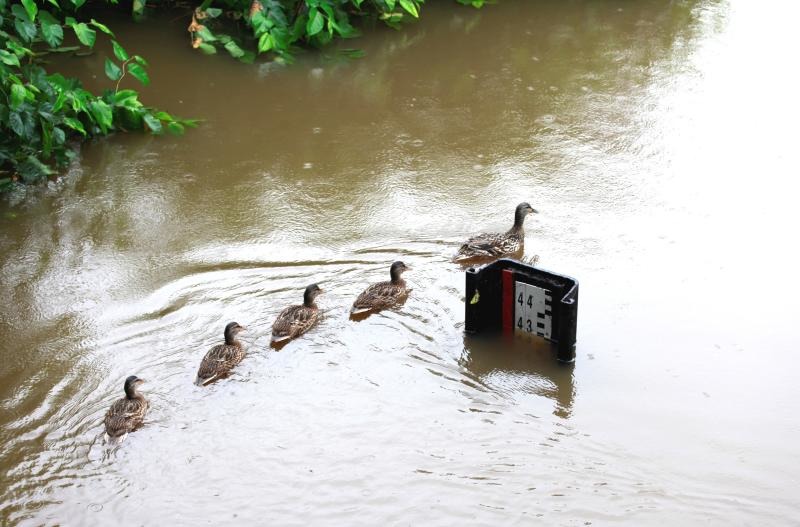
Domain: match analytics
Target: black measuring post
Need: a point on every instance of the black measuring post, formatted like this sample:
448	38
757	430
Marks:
511	297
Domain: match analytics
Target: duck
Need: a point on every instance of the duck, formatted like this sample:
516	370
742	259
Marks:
498	245
296	320
220	359
383	295
126	414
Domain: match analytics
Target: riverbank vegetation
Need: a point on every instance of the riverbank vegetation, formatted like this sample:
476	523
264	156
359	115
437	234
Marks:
44	115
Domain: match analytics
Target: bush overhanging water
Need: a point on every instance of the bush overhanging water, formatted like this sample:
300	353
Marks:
41	112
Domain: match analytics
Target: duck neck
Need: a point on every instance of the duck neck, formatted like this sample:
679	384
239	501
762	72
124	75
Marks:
519	220
132	393
396	277
308	301
230	337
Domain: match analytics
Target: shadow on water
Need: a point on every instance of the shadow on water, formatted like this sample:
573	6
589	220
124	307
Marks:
521	366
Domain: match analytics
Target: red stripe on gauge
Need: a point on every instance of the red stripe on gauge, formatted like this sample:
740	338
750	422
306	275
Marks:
508	301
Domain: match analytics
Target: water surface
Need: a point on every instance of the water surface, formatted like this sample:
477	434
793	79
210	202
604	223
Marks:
656	138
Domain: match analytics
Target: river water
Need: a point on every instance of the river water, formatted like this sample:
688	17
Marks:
657	140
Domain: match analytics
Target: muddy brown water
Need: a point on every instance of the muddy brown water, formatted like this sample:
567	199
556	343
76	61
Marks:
658	141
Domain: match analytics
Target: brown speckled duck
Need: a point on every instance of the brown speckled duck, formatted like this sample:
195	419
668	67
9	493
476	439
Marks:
220	359
383	295
126	414
296	320
498	245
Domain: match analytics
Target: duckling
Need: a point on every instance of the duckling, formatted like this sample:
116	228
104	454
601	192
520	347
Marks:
221	358
383	295
126	414
498	245
296	320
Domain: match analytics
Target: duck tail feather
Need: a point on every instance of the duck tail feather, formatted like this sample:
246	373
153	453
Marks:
199	381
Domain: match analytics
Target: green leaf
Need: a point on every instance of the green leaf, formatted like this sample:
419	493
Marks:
249	57
101	27
127	98
8	58
265	43
60	100
74	124
152	123
23	24
234	49
119	51
65	49
52	32
47	139
16	124
315	22
137	8
113	71
140	60
139	73
85	34
30	7
176	128
206	35
18	95
78	3
32	169
213	12
390	4
208	49
410	6
59	137
102	114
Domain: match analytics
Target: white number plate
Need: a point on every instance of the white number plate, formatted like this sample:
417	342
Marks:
532	310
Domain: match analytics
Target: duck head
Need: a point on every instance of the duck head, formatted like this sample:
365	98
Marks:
522	211
131	384
397	269
231	330
310	294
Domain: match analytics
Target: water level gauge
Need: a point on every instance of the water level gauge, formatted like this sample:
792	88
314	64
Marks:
514	298
533	313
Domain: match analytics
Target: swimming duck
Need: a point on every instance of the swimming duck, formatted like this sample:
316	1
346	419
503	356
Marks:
498	245
221	358
126	414
296	320
383	295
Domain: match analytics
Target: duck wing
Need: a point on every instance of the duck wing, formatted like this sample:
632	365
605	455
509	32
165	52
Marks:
486	244
218	361
294	321
125	415
379	296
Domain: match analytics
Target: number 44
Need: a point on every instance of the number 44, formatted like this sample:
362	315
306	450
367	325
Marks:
521	301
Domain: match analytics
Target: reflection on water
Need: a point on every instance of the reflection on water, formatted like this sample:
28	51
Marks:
521	366
635	129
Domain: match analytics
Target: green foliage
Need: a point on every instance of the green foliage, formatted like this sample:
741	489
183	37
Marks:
40	112
278	27
474	3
